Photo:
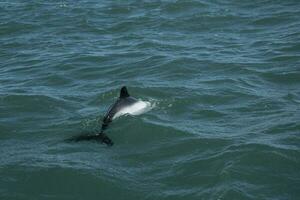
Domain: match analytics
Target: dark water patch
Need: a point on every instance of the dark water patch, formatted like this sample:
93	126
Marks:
29	108
58	80
292	97
291	48
256	160
271	21
208	114
282	128
48	187
13	28
283	58
182	7
290	78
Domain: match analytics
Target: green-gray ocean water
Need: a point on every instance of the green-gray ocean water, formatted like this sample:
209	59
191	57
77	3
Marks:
223	77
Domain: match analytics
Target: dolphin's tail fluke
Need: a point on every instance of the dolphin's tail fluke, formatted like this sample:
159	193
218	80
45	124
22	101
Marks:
100	137
104	139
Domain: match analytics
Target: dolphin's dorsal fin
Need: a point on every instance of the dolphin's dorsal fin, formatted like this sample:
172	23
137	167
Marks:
124	93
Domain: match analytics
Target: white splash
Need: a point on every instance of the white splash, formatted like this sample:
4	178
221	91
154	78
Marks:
137	108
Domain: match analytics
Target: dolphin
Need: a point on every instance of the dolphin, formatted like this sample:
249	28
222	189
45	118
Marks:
125	104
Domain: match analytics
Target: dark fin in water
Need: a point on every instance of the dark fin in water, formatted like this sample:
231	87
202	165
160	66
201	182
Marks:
100	137
124	93
105	139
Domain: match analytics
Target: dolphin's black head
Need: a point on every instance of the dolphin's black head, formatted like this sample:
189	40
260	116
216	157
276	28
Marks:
124	92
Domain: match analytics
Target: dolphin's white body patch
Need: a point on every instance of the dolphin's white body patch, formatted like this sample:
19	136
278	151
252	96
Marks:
137	108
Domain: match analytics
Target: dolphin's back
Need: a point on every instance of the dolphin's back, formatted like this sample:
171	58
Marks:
116	107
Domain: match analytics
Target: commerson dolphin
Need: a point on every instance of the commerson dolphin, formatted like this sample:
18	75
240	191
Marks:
125	104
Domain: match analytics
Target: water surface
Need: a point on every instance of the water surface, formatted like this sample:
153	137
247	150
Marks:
224	77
